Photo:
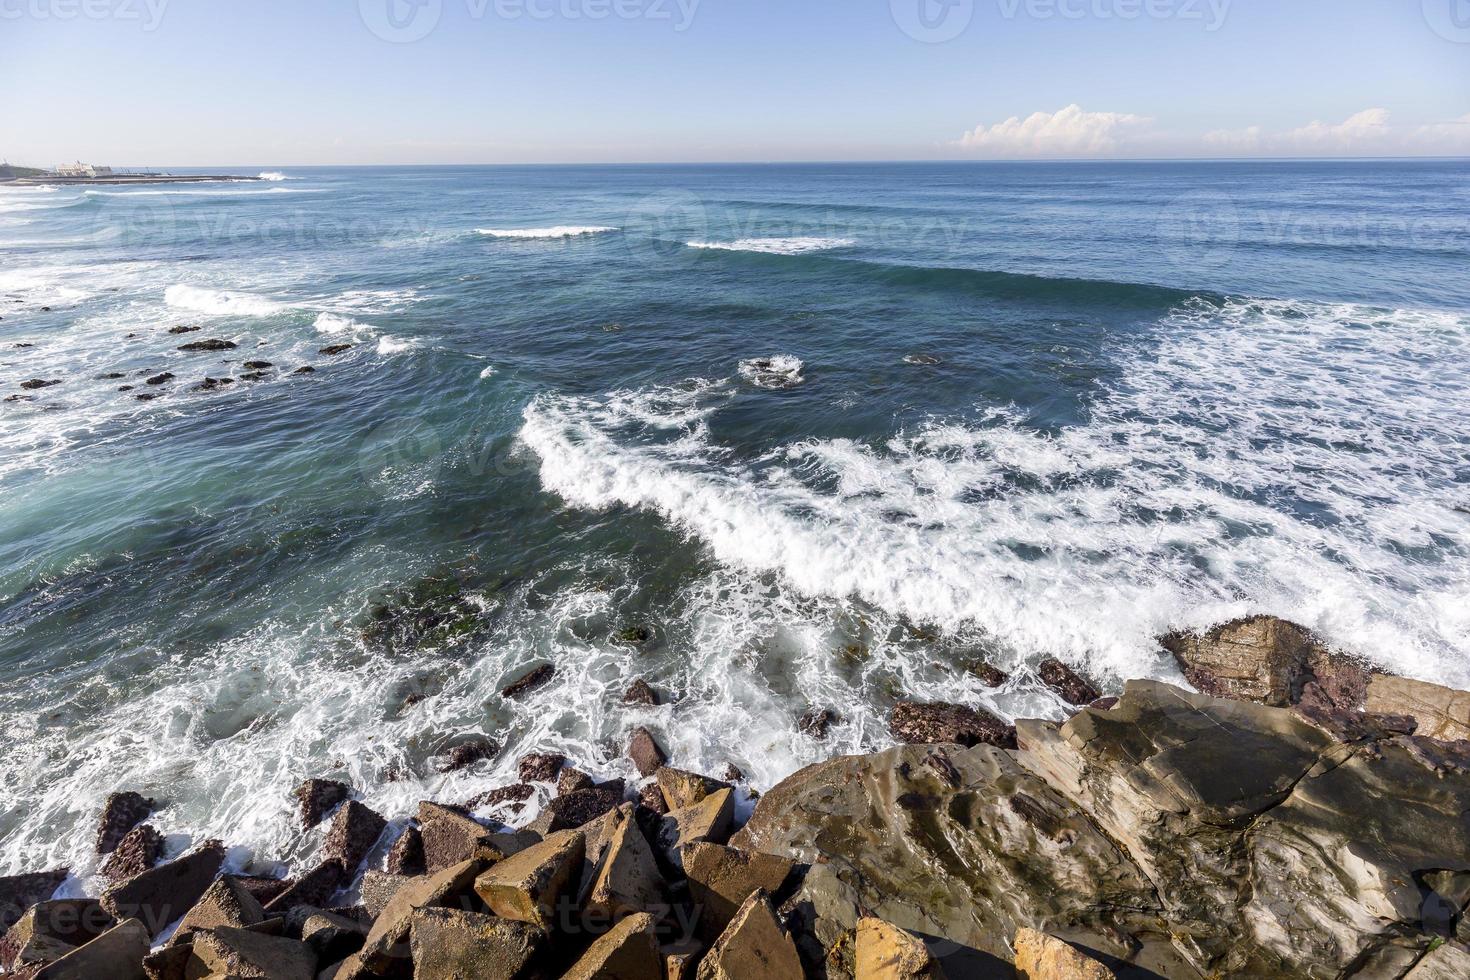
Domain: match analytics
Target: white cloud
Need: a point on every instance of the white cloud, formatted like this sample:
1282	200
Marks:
1367	133
1066	132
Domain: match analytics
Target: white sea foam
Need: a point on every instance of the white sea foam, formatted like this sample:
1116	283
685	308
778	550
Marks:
559	231
396	345
208	190
1291	458
781	371
777	246
219	302
488	372
333	323
273	176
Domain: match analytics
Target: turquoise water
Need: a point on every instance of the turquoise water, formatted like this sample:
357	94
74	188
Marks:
776	438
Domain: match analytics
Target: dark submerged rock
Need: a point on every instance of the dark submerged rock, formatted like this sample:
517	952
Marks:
949	723
334	349
1065	682
37	383
208	345
524	685
816	722
641	692
467	751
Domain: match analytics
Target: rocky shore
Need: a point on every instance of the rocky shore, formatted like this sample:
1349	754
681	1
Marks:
1300	815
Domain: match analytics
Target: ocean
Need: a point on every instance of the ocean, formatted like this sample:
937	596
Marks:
775	438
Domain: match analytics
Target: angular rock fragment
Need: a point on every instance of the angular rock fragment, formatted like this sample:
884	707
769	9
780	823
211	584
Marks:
681	788
628	881
1441	712
318	797
406	857
1043	957
885	952
451	837
571	780
722	878
628	951
455	943
121	812
540	767
530	886
529	682
949	724
314	888
707	820
138	851
117	954
225	903
468	751
816	722
1065	682
50	930
354	831
753	945
640	692
242	953
163	893
333	937
645	752
385	946
575	809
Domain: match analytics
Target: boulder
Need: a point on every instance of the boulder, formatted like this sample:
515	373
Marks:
1441	713
406	856
378	887
242	953
354	831
36	384
598	836
1066	684
681	789
572	780
651	799
513	798
753	945
639	692
949	724
629	881
708	820
198	346
332	350
385	945
163	893
529	682
169	963
467	751
1043	957
314	888
628	951
576	809
1448	962
645	752
138	851
454	943
121	812
160	379
263	889
224	903
987	674
540	767
20	892
816	722
722	878
885	952
681	959
318	797
451	837
1269	661
530	886
117	954
49	930
333	937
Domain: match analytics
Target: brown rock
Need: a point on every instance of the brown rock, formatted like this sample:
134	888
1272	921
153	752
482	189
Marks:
629	881
681	789
318	797
138	851
169	963
628	951
243	953
540	767
384	947
572	780
378	888
1042	957
162	894
451	837
467	752
450	943
120	814
406	857
816	722
988	675
641	693
529	682
753	945
651	798
50	930
681	959
949	724
333	937
313	888
733	773
354	831
707	820
645	752
1442	713
264	889
332	350
886	952
1262	659
224	903
1065	682
117	954
722	878
576	809
513	798
529	886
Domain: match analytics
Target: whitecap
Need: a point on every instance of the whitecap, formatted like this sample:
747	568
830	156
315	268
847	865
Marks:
781	371
396	345
777	246
218	302
558	231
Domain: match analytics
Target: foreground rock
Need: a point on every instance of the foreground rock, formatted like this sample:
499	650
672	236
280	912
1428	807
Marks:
162	894
20	892
50	930
883	951
454	943
949	723
753	945
116	954
1042	957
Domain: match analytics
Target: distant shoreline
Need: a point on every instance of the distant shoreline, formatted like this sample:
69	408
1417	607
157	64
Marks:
125	179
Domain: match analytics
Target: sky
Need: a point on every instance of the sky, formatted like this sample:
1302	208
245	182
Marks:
210	83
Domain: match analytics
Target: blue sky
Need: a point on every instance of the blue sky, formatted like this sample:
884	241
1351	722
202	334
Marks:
219	82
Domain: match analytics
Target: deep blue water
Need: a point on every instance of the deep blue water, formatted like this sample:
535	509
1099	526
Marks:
775	437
